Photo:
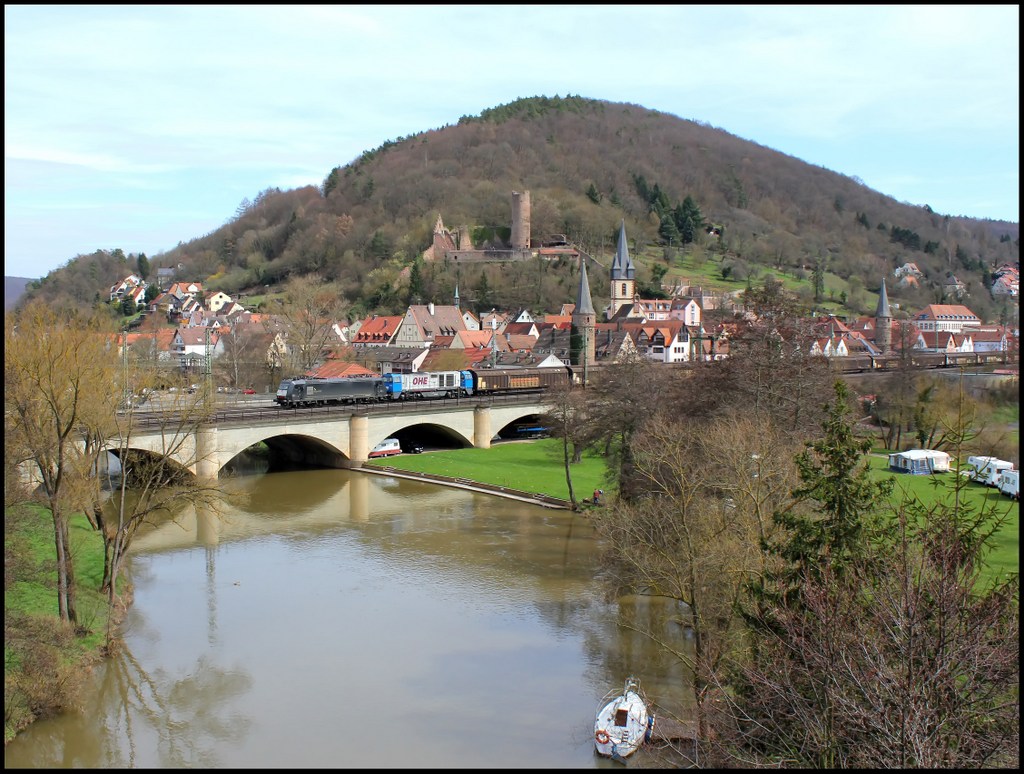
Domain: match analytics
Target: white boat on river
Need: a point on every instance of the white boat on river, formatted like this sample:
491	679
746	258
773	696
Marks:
623	723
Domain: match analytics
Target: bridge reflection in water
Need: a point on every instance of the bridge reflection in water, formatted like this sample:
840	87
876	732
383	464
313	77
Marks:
312	501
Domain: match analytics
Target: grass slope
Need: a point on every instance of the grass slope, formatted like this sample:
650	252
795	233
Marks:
1005	555
533	466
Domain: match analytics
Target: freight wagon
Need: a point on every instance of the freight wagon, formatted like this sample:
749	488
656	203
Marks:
499	380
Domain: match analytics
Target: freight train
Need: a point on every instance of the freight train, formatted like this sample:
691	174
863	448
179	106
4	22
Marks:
917	360
423	385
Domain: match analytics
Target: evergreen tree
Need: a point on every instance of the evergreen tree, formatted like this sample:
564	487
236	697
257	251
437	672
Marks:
143	265
416	282
331	181
819	279
380	246
689	220
668	230
483	293
836	480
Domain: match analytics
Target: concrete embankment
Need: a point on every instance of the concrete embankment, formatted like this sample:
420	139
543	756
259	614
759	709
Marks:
465	483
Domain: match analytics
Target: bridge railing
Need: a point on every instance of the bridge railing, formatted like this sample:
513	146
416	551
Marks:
274	413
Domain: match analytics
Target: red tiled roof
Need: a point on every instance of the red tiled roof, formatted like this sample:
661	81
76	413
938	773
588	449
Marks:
340	368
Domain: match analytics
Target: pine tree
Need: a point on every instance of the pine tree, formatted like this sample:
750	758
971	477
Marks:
688	220
416	282
835	478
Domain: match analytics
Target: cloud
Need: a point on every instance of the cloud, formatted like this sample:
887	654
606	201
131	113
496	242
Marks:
208	104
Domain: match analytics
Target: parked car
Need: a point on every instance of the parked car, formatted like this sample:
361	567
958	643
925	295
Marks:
248	391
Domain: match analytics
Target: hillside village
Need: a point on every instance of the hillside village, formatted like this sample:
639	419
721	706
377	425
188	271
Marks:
198	324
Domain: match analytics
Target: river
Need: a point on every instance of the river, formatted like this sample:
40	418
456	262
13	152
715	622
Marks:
330	618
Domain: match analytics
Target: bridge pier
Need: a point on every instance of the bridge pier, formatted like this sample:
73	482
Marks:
358	443
207	454
482	432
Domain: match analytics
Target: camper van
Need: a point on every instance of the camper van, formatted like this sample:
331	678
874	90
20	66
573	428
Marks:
986	470
1009	484
386	448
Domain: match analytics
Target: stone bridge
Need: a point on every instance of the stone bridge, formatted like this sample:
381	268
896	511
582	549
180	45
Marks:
335	438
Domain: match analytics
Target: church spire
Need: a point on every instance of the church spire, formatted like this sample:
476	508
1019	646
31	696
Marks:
584	303
622	266
883	322
883	303
583	322
623	284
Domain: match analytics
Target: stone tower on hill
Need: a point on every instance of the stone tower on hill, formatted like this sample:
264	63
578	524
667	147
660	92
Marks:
520	220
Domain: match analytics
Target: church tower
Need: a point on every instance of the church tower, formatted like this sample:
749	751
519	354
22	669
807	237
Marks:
883	322
622	276
584	320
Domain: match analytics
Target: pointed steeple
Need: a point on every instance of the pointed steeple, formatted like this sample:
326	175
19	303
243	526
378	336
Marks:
883	322
456	295
584	303
622	266
583	319
883	303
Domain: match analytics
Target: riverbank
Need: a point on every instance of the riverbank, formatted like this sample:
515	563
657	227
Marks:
465	483
45	663
529	470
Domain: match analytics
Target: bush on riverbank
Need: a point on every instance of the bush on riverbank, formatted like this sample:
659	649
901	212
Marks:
45	662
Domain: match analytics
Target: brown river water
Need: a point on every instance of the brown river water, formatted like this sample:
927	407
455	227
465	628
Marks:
330	618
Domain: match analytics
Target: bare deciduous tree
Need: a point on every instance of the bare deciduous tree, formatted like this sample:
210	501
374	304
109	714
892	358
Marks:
910	660
152	483
61	389
695	535
571	420
307	317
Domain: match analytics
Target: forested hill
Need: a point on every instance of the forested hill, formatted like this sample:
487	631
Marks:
587	164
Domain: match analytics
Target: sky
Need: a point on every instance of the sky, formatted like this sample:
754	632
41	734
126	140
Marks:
139	127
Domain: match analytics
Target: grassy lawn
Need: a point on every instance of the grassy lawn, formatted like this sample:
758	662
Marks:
1005	556
532	466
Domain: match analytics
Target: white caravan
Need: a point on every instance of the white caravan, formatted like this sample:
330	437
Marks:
1009	483
986	470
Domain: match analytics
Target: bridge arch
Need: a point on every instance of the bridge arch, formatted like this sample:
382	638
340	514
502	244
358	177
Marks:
298	449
